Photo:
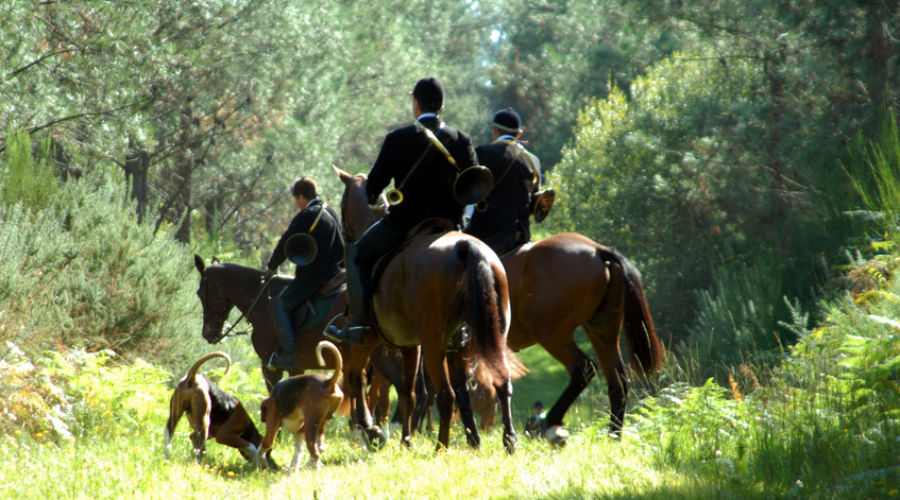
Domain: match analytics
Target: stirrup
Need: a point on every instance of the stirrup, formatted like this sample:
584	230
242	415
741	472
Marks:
280	362
350	334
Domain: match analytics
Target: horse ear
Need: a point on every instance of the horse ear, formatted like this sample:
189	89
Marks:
198	262
215	260
340	173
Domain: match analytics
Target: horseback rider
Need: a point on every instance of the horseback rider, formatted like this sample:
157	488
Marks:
423	160
318	220
502	220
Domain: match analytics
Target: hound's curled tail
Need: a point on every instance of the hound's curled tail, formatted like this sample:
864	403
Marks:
192	372
338	361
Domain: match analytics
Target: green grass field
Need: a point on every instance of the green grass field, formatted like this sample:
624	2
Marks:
87	425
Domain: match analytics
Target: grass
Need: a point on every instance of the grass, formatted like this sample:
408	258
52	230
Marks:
829	429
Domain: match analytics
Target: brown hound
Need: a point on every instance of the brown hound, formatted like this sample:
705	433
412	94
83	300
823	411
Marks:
304	403
212	413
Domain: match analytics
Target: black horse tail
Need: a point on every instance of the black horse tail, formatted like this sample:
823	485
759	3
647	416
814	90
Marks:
485	307
640	334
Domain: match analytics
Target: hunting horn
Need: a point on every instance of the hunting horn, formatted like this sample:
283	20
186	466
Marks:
473	185
301	248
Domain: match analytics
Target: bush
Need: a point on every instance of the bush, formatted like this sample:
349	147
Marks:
83	272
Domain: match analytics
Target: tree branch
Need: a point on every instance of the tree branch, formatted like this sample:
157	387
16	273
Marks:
57	121
37	61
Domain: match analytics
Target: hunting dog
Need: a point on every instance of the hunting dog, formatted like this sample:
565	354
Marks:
212	413
303	403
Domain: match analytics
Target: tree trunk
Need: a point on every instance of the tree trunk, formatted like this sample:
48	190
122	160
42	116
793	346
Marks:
184	169
136	166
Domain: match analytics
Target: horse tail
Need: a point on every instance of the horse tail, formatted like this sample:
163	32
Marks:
338	361
192	372
640	334
484	310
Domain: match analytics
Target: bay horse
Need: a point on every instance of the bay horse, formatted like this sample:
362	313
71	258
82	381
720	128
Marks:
227	285
567	280
437	283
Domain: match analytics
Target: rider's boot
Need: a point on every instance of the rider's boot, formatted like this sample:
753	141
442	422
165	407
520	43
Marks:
284	358
357	329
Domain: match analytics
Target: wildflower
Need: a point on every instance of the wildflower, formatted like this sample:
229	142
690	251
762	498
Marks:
231	473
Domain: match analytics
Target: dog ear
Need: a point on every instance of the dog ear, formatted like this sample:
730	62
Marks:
198	262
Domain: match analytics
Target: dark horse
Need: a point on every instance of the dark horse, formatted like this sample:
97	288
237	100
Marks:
567	280
227	285
437	283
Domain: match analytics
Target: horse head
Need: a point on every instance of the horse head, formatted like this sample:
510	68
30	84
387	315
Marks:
215	305
356	213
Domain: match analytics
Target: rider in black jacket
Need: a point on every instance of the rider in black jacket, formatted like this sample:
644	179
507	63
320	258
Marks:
424	171
502	220
322	223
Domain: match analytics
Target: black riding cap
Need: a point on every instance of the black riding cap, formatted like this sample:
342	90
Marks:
508	120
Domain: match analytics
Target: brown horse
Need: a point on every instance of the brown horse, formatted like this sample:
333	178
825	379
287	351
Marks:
436	284
567	280
227	285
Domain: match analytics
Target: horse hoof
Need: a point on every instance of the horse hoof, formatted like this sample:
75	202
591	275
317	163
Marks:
473	439
375	438
509	441
556	435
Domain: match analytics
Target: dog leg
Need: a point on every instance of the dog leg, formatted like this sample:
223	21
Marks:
295	462
251	454
176	410
268	413
313	438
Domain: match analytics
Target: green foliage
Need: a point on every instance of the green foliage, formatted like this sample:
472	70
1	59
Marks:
27	179
83	272
823	428
661	177
738	322
874	170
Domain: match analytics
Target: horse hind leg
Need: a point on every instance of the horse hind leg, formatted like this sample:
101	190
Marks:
617	382
406	393
581	370
463	401
603	333
436	366
504	397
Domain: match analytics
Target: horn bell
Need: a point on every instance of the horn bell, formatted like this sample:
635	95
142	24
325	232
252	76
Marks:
301	248
473	185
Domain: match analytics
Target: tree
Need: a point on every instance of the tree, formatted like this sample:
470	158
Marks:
664	176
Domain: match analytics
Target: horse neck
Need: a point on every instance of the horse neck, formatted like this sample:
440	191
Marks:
356	210
245	285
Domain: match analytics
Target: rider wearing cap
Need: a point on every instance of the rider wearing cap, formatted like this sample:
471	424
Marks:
424	171
322	223
502	220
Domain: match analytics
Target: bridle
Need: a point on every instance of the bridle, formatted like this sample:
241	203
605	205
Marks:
204	284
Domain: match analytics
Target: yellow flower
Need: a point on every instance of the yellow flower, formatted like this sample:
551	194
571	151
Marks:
231	473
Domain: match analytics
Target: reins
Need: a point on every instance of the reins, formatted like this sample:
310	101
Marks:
249	309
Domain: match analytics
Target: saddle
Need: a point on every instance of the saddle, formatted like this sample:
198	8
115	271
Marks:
314	311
